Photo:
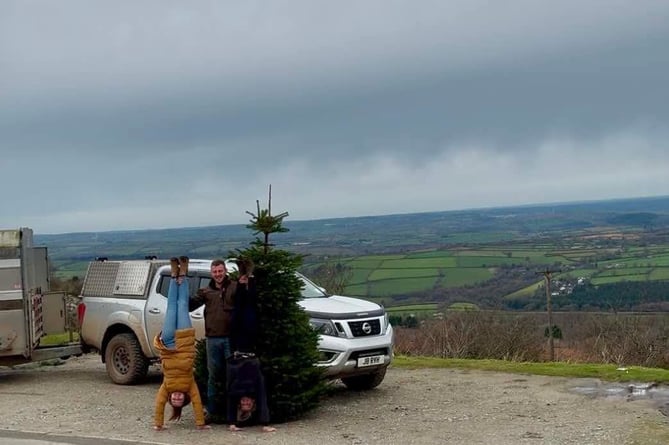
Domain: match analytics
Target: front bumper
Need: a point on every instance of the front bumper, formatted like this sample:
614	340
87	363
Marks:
340	355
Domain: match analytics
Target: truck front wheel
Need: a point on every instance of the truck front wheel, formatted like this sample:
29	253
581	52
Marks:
126	364
366	381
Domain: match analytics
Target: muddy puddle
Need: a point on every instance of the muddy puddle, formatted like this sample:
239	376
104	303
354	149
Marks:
659	394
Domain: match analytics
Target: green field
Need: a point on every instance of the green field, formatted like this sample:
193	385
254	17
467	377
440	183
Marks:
391	287
576	273
359	276
72	269
428	254
420	271
386	274
463	307
661	260
659	273
413	308
413	272
487	261
407	275
418	263
624	271
364	263
618	278
462	276
525	291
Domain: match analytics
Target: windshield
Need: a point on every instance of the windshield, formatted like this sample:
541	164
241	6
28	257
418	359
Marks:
310	290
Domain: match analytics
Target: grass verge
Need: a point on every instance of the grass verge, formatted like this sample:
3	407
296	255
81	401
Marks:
58	339
606	372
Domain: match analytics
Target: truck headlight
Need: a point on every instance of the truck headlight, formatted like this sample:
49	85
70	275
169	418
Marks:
325	327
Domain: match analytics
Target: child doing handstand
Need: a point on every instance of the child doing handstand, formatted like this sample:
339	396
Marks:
176	344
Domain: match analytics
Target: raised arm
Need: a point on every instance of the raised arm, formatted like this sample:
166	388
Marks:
198	410
261	402
198	299
161	400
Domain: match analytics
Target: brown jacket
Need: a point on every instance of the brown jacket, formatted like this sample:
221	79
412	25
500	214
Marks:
178	375
218	307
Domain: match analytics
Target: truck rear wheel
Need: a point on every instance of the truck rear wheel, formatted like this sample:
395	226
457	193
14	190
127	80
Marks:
126	364
366	381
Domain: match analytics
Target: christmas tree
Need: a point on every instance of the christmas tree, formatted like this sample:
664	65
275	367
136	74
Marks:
287	344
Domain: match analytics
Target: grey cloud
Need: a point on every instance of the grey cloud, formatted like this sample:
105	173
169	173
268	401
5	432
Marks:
586	92
108	104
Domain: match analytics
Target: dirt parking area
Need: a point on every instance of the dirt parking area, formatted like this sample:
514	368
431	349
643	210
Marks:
425	406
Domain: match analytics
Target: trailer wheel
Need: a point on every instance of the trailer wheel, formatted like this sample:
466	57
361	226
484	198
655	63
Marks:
126	364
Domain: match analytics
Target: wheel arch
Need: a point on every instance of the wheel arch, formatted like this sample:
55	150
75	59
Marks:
111	332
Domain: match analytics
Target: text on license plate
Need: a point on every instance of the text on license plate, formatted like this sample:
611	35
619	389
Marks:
370	361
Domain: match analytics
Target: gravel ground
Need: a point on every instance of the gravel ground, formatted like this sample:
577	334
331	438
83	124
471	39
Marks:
426	406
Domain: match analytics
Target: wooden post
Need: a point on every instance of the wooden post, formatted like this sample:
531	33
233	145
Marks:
551	345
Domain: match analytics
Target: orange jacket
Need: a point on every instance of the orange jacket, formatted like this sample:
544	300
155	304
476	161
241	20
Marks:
178	375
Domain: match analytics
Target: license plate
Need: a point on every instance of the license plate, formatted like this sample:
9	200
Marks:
370	361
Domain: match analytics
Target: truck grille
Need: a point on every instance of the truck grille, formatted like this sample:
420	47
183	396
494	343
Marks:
364	328
355	355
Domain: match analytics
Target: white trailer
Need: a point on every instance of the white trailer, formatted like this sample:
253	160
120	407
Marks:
24	290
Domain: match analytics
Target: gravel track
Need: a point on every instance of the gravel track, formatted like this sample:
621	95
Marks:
423	406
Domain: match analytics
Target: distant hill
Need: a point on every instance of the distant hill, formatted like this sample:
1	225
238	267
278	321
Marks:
546	227
370	234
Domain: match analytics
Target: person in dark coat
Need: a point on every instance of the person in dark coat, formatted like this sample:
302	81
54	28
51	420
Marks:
247	400
246	393
244	329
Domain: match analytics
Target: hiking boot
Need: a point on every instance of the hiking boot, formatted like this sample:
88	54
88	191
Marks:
174	267
183	265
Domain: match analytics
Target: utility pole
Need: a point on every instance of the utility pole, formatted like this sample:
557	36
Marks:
551	347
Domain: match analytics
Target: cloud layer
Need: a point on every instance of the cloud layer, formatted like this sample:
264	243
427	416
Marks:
109	116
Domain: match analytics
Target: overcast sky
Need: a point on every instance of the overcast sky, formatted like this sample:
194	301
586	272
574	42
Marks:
152	114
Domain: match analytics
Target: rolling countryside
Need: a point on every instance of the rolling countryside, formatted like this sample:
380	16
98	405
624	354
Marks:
486	258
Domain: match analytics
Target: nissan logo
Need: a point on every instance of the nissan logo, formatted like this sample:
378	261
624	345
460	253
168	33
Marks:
367	328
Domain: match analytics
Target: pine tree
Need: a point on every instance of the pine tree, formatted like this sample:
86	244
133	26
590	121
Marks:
287	344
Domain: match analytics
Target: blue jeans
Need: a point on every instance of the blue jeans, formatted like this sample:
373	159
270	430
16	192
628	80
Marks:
218	351
176	316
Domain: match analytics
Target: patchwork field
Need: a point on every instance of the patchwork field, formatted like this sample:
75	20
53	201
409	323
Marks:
382	276
490	256
391	277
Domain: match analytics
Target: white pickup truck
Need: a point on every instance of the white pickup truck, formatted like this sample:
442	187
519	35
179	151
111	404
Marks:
123	305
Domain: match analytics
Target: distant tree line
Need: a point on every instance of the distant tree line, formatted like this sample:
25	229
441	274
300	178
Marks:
623	296
407	321
616	297
488	294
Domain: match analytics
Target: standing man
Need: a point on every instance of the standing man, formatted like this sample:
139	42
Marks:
218	300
